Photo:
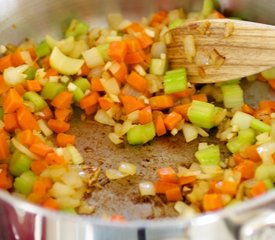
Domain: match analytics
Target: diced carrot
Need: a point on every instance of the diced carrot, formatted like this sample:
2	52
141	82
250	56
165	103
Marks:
32	53
216	14
62	139
42	185
238	158
58	126
229	187
26	119
16	58
172	119
184	180
213	187
63	100
200	97
84	70
251	153
131	103
90	110
267	104
121	73
189	92
5	62
246	108
40	149
53	159
36	198
4	148
145	115
167	174
20	89
263	114
117	50
96	85
5	177
117	218
158	18
51	203
46	62
46	113
63	114
161	102
144	40
51	73
212	201
137	81
26	137
173	194
162	187
10	121
89	100
246	168
105	103
182	110
3	86
135	27
271	83
258	189
34	85
38	166
133	45
160	126
12	101
135	57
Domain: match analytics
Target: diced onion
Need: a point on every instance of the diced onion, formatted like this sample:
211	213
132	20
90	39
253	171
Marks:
114	174
190	132
75	154
23	149
127	168
93	57
85	208
102	117
44	128
189	47
110	85
157	49
14	75
68	202
147	188
115	138
184	210
72	179
265	151
60	190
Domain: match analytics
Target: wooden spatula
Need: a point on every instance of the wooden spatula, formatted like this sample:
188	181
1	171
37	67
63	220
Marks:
217	50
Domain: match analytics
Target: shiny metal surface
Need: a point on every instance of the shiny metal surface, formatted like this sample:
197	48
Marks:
21	220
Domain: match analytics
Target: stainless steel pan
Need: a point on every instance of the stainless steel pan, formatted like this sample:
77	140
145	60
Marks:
21	220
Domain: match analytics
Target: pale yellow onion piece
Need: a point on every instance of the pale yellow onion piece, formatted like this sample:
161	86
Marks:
110	85
115	138
102	117
56	172
79	46
147	188
127	168
190	132
61	190
184	210
23	149
68	202
114	174
26	56
93	58
75	154
85	208
133	116
65	45
265	151
72	179
157	49
189	47
14	75
63	64
44	128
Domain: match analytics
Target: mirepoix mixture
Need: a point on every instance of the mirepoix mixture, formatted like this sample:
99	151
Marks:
120	77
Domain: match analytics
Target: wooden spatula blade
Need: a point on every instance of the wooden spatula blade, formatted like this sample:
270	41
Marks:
247	48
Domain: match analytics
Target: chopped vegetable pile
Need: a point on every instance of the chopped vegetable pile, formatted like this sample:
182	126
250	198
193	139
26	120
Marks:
120	77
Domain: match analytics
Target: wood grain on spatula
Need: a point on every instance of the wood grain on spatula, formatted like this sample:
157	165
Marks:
225	49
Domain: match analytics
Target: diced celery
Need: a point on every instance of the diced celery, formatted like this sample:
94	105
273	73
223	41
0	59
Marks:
175	81
103	50
209	155
232	95
52	89
235	144
38	102
158	66
241	120
201	114
42	49
77	94
30	73
141	134
260	126
63	64
19	163
208	7
269	74
229	82
268	184
77	28
82	83
24	183
265	171
247	136
176	23
1	113
75	155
